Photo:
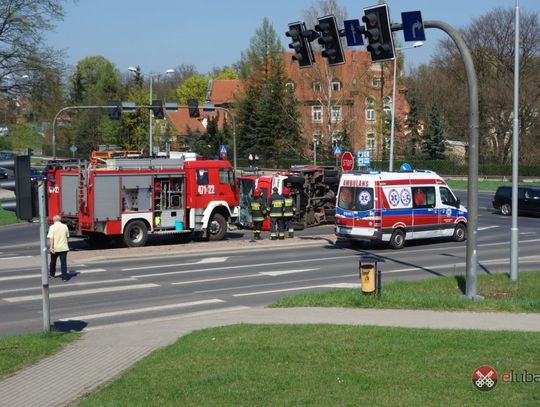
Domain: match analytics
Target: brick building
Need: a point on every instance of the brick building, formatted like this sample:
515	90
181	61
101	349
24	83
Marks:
353	99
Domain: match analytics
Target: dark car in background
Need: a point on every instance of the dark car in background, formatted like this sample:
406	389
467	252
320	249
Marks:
3	173
36	174
528	200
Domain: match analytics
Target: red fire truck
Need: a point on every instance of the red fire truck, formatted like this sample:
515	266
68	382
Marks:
132	197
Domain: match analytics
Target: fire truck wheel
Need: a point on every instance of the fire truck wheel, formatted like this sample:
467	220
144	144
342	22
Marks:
460	233
397	241
135	234
217	227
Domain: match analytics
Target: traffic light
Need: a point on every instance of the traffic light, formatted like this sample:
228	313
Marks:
330	40
193	105
379	33
157	109
301	44
114	108
25	204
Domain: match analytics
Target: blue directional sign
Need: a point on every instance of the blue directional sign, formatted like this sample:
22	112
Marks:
352	32
413	27
363	158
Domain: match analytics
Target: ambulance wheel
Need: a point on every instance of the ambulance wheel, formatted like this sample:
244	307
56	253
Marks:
217	227
397	241
460	233
506	209
135	234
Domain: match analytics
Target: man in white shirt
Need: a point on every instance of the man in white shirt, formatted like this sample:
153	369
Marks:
58	237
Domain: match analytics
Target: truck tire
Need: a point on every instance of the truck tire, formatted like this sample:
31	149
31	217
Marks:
331	173
397	241
135	234
296	179
217	227
460	233
331	180
506	209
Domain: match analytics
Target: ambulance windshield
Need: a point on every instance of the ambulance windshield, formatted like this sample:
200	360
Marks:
355	198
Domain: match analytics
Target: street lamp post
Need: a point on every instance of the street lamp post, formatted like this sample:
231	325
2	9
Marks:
392	125
150	124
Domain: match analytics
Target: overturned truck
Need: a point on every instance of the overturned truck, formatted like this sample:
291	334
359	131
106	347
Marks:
313	189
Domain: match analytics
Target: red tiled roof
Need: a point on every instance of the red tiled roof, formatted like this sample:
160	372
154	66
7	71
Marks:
181	120
223	90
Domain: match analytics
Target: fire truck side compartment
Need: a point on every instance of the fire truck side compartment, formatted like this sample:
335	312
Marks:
137	193
106	197
69	185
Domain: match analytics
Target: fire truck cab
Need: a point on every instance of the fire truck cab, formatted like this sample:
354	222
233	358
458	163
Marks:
398	206
132	198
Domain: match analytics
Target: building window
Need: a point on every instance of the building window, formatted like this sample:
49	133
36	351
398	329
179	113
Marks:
336	114
377	82
336	86
387	108
317	87
290	86
316	114
370	109
370	141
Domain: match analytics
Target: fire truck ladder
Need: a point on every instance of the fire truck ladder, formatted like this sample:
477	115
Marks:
82	190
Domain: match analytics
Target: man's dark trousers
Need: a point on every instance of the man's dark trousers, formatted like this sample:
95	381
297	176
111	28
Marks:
63	264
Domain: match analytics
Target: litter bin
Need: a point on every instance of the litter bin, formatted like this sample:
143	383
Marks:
367	278
370	275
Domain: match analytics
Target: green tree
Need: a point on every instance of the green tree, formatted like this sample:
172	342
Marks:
267	112
95	82
195	87
433	145
413	125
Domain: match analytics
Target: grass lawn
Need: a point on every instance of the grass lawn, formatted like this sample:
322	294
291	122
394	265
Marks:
19	351
441	293
7	217
327	365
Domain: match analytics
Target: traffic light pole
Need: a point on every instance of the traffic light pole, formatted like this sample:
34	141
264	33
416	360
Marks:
472	188
43	248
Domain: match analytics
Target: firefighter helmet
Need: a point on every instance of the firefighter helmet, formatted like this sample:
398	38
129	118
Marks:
286	191
256	192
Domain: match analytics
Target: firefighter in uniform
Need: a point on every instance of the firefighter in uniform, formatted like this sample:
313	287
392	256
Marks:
289	211
276	215
258	213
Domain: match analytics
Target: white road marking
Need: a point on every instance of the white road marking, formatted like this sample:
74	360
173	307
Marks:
209	280
337	285
260	274
11	278
82	292
15	257
209	260
61	286
488	227
141	310
284	272
252	266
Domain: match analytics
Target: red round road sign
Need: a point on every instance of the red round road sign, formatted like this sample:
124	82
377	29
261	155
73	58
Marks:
347	161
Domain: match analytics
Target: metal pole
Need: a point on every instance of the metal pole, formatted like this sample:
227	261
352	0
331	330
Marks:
43	248
514	231
151	154
474	124
391	159
314	152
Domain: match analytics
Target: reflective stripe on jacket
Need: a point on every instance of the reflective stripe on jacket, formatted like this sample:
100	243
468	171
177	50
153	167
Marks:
257	209
288	207
276	206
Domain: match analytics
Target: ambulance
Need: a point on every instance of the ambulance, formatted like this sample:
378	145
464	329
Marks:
397	206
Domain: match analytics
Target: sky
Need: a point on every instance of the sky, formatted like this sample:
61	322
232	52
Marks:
213	33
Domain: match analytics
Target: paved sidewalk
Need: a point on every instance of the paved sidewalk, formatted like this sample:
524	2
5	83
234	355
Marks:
103	353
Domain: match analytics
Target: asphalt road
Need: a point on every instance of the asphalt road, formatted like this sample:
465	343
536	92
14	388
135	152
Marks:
204	279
